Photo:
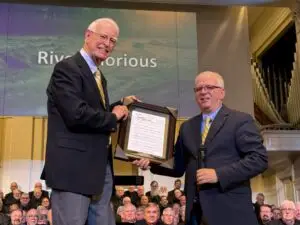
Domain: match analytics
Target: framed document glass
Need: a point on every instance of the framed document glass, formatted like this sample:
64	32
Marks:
148	132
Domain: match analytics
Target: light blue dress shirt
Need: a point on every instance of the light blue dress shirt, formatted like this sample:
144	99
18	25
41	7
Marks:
89	61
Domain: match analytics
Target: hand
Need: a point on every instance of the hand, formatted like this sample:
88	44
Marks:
206	176
142	163
120	111
130	99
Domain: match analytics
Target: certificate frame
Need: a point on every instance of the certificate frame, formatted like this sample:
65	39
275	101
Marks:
169	115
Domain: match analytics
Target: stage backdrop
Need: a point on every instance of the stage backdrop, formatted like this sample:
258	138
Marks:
155	58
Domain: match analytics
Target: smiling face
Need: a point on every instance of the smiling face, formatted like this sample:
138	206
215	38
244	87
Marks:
100	39
209	91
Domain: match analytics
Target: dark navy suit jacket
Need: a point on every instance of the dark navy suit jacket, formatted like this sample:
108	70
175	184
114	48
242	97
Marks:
79	127
234	148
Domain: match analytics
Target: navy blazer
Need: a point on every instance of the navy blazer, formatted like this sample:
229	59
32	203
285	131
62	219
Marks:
234	148
79	127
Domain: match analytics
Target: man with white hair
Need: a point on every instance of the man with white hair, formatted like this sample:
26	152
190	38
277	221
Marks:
288	214
219	150
126	200
78	164
167	216
128	214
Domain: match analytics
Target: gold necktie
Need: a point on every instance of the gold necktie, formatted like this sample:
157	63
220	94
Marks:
205	129
99	84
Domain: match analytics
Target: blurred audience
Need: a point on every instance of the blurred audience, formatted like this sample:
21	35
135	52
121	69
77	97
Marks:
132	206
288	214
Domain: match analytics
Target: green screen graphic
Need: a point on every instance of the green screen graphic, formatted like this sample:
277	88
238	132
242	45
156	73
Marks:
155	58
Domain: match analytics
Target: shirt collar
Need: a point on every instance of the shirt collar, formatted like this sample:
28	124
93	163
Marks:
89	60
211	115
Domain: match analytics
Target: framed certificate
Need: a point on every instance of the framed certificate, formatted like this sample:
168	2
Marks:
149	132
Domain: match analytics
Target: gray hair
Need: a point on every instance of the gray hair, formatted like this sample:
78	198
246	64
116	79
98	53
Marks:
288	202
92	26
216	75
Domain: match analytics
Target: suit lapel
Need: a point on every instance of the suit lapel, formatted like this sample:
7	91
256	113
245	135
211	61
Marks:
196	133
90	77
217	124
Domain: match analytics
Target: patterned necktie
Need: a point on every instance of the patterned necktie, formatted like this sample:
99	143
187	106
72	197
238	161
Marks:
99	84
205	129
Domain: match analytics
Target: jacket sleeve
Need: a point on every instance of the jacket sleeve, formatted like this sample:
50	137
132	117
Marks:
179	161
253	160
65	92
115	104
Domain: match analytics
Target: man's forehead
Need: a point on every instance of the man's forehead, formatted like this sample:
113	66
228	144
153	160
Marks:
286	205
106	28
206	79
31	212
168	210
16	212
151	209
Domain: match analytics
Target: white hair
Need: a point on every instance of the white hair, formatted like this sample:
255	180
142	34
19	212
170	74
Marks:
92	26
219	78
129	205
168	209
120	210
289	203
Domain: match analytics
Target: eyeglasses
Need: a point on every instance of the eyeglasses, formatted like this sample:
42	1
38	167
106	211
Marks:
205	88
104	37
287	210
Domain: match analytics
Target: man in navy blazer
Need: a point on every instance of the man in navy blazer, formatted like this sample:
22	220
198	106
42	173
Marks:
218	170
78	164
